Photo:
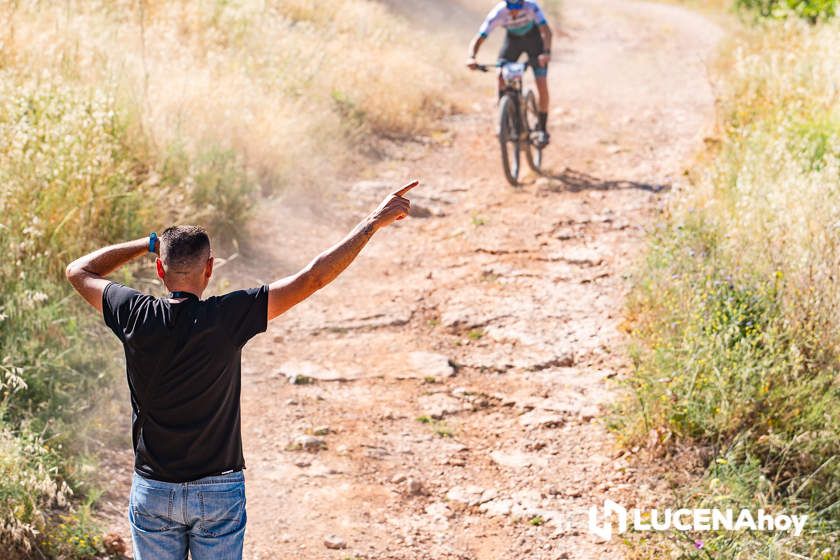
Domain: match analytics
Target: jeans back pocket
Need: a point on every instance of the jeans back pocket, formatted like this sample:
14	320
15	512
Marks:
222	511
151	508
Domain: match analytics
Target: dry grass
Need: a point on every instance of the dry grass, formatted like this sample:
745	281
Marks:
287	84
777	178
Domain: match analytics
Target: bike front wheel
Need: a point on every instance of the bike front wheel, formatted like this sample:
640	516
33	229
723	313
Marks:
509	139
532	116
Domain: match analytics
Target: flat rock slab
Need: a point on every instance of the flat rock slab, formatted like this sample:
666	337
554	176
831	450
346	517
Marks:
301	371
497	508
504	356
394	318
467	495
430	363
520	332
517	459
382	315
439	510
467	317
541	419
577	256
439	405
498	357
470	307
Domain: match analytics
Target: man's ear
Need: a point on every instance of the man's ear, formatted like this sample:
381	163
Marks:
208	268
159	266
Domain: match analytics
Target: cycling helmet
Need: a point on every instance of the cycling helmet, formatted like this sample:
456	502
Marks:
515	4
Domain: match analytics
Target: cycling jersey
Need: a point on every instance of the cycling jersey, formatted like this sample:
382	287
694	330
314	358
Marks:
525	20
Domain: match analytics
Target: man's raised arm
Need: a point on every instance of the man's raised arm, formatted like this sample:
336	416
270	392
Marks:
286	293
87	274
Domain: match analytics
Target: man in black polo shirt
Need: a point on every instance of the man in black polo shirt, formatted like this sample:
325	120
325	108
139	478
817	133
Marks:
182	358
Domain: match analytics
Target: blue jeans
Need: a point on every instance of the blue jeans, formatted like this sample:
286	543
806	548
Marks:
205	517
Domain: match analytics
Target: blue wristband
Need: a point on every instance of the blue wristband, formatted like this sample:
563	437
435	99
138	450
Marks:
152	239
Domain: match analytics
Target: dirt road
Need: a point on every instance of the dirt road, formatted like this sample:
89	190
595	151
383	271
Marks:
520	290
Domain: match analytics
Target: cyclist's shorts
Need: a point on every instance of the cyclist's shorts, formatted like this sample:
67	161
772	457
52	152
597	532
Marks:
530	43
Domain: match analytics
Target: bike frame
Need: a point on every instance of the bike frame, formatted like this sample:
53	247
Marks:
519	129
513	89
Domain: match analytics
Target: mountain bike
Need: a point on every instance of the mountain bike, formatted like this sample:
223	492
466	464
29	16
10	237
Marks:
518	119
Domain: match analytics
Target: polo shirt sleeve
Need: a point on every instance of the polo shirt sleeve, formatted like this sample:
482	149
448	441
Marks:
245	313
117	304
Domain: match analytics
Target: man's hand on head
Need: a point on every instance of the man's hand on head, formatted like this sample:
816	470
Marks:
87	274
394	207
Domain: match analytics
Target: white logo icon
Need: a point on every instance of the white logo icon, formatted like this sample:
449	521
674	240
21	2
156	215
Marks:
604	531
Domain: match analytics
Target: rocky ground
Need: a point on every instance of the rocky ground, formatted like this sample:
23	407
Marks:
445	397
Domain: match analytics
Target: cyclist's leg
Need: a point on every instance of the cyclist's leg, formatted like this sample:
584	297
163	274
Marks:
541	79
511	50
542	94
542	109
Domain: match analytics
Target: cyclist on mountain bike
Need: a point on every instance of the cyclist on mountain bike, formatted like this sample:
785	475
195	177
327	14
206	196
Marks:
527	32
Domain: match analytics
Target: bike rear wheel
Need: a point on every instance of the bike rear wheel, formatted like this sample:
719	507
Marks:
533	152
509	139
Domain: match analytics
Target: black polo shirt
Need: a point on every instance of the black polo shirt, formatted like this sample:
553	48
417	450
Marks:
191	351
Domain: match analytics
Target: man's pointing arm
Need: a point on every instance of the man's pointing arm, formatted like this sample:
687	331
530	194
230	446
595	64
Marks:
288	292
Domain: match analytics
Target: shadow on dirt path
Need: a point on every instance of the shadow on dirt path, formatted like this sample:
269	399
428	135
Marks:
577	181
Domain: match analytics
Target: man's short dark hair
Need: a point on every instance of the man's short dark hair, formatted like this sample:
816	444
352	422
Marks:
184	247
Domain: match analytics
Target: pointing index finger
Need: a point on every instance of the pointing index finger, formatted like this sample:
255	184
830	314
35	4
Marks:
406	188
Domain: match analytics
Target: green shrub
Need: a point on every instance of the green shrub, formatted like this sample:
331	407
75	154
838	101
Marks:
70	179
75	174
812	10
68	182
735	313
36	517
